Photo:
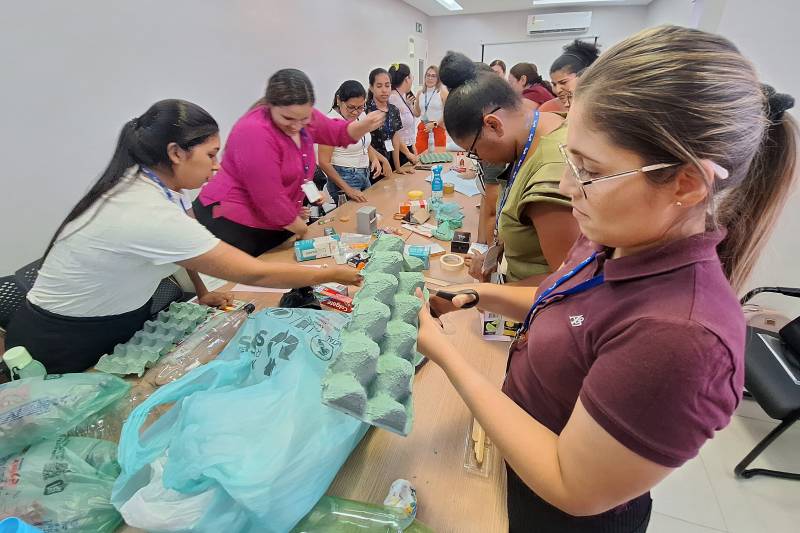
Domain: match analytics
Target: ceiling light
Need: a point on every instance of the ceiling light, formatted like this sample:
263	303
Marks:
451	5
541	3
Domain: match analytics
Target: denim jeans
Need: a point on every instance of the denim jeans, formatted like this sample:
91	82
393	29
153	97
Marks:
357	178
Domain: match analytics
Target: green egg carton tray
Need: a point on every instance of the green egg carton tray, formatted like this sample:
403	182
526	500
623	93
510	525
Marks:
430	158
371	376
157	338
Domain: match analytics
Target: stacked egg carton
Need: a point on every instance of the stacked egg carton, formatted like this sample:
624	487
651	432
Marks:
430	158
157	338
372	375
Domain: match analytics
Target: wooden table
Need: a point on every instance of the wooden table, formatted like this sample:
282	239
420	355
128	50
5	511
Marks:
451	499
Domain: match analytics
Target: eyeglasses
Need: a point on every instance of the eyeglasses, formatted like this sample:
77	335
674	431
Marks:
354	108
583	182
471	153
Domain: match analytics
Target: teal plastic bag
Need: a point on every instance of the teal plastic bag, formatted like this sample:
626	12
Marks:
62	484
35	409
247	446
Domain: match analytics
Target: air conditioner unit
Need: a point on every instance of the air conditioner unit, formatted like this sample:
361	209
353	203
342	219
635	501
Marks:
555	23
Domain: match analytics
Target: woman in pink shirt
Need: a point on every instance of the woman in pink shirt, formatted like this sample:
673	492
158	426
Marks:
631	355
255	201
527	82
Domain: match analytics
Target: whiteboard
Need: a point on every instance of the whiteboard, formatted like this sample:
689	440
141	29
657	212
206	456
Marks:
539	51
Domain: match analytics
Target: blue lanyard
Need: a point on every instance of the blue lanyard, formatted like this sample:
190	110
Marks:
429	100
547	295
517	166
152	175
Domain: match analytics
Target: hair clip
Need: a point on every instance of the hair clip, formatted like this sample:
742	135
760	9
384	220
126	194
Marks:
720	171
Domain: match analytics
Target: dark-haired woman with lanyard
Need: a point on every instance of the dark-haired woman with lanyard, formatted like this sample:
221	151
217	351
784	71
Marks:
534	224
564	72
255	202
400	75
632	354
386	139
130	231
348	168
524	78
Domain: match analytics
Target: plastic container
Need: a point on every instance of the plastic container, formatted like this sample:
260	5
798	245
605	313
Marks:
15	525
336	515
437	185
22	365
415	195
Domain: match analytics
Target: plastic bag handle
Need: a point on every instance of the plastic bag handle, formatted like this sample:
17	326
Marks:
131	453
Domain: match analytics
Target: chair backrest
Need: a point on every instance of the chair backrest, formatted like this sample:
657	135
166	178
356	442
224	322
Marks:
26	276
11	298
168	291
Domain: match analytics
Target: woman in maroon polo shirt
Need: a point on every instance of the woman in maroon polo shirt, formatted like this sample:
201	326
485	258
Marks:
526	81
678	163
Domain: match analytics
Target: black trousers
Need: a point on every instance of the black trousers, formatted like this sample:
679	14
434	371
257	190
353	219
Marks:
66	344
528	513
254	241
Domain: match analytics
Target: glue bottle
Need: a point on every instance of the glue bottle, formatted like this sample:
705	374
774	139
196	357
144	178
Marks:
437	185
22	365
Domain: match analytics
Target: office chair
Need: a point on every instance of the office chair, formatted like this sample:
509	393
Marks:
772	378
11	298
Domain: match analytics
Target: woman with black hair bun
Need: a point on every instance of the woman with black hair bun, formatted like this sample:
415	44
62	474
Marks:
534	224
106	259
565	70
524	78
404	100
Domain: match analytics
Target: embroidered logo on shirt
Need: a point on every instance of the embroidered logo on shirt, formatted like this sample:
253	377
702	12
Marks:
576	320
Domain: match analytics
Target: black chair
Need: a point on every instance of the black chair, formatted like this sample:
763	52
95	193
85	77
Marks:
27	275
772	371
11	298
168	291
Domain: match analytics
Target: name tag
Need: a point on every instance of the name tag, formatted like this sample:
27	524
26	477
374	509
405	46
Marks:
388	144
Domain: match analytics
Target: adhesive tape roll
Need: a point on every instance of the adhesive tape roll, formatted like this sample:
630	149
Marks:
451	262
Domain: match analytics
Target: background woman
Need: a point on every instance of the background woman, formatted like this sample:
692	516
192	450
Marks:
402	82
429	106
526	81
348	168
386	140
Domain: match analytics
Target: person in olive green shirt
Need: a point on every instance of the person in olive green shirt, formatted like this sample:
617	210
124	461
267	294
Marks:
536	225
535	193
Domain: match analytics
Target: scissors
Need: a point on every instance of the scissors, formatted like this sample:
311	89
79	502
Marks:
449	295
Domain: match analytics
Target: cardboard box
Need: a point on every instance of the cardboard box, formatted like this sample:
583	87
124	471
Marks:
334	300
460	243
317	248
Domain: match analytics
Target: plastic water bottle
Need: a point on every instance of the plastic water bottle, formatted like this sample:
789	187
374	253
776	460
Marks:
437	185
22	365
431	141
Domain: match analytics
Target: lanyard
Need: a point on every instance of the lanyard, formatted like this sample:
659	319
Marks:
514	173
153	177
404	101
429	100
548	295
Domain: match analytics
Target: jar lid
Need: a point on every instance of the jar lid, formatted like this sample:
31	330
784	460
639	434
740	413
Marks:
415	195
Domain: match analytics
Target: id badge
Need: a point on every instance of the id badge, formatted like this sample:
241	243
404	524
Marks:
311	192
388	145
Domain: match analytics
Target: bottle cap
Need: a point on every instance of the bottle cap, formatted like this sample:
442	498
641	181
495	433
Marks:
17	357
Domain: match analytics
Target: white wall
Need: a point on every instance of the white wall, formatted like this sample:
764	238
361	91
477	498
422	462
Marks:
678	12
74	72
769	39
465	33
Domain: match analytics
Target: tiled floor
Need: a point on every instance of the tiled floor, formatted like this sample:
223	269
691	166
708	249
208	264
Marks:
704	497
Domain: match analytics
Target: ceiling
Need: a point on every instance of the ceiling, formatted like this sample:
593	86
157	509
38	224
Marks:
435	9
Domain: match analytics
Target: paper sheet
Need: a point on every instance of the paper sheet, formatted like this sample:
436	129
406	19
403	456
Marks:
467	187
